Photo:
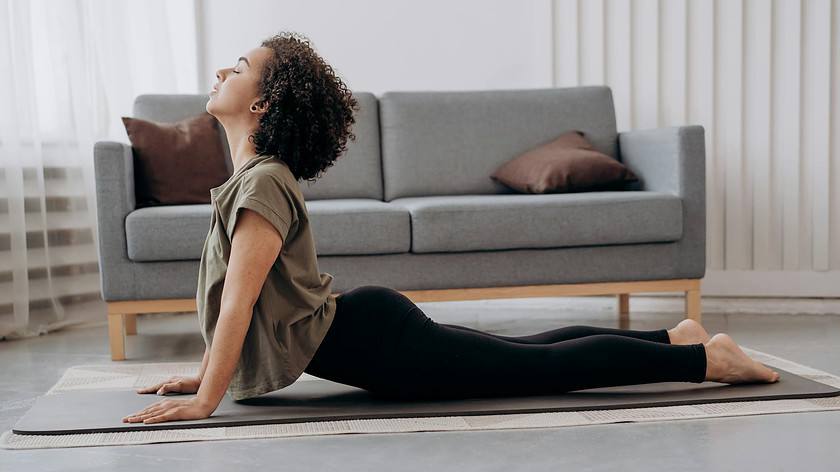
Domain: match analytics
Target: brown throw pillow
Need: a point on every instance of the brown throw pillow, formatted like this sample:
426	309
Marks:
176	163
569	163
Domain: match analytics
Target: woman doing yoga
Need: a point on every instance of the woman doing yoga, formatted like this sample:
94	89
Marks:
267	314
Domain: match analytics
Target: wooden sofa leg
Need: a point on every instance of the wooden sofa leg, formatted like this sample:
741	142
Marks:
623	310
692	305
130	321
116	336
623	303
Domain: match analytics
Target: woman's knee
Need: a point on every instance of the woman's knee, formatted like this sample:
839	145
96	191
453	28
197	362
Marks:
581	331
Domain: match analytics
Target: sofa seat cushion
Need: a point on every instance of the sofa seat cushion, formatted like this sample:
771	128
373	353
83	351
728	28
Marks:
457	223
358	226
167	232
341	227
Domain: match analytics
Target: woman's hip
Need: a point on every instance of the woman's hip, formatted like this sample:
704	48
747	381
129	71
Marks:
366	331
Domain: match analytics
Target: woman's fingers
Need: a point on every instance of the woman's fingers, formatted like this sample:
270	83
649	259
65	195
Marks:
170	387
151	410
136	418
164	413
169	410
151	388
159	418
173	384
158	386
148	415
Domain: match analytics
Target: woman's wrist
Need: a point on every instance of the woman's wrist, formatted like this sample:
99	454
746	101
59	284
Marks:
203	399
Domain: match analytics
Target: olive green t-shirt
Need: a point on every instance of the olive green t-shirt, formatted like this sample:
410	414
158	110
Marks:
295	307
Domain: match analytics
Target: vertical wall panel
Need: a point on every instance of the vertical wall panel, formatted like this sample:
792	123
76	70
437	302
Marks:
775	258
804	211
816	105
757	119
672	66
618	56
834	205
592	58
701	110
645	15
728	123
566	48
786	121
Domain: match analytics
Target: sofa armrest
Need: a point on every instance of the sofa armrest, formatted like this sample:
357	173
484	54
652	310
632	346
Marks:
673	160
113	165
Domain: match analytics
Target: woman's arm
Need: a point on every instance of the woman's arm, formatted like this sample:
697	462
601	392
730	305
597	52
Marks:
254	248
204	364
255	245
224	353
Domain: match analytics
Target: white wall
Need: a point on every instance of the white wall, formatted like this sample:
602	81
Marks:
377	45
762	77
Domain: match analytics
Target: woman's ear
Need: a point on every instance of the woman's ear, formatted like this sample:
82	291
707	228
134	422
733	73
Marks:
259	106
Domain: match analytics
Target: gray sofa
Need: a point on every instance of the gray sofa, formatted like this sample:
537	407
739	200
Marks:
410	205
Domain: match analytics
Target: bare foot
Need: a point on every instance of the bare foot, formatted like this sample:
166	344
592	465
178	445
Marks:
688	331
727	363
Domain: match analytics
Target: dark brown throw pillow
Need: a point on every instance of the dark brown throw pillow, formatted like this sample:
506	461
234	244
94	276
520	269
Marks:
176	163
569	163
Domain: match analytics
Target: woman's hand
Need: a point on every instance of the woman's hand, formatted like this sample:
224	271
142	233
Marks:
174	384
171	410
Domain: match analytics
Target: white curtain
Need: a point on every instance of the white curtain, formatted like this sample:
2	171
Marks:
68	71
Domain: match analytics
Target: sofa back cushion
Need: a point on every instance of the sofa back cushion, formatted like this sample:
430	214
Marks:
358	172
163	152
450	142
355	174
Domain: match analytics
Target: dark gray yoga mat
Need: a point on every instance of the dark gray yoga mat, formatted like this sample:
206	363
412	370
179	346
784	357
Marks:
324	400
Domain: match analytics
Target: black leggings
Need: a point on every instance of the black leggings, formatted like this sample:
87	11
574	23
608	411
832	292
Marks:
382	342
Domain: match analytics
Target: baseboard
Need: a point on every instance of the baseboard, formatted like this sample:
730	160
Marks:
778	283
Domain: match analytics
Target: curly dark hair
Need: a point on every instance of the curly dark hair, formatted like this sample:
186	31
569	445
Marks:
310	110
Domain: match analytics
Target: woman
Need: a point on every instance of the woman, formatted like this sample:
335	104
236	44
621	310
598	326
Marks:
272	315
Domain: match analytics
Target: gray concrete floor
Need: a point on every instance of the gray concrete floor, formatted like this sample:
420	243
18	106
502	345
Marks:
792	441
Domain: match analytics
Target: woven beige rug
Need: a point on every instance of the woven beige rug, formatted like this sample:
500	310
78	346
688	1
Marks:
130	376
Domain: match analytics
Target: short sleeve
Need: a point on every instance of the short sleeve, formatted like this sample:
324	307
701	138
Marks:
265	194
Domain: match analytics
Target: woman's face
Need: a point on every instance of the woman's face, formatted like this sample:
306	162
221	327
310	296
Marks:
237	87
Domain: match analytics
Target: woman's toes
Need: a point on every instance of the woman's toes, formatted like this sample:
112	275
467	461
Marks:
764	373
768	375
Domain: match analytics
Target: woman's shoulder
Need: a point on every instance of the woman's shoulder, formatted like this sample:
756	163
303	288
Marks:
272	182
274	169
